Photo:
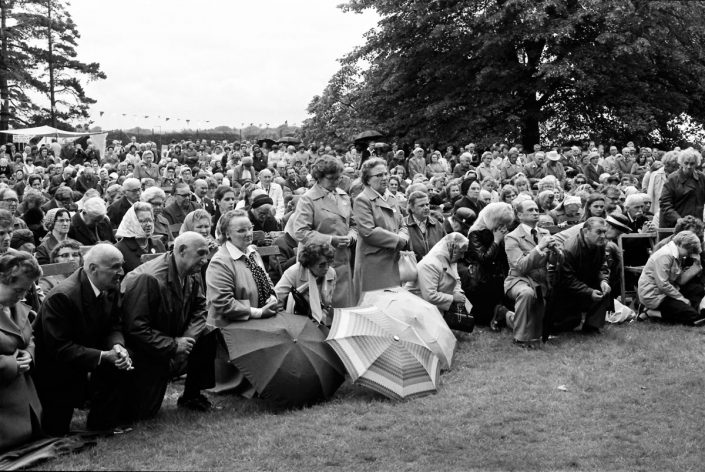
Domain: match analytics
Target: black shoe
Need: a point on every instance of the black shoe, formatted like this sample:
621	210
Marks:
499	320
197	403
587	329
524	344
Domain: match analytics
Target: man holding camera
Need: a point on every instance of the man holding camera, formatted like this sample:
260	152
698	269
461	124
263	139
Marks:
529	251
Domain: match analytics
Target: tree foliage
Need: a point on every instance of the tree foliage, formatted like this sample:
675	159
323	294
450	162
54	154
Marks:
524	70
39	79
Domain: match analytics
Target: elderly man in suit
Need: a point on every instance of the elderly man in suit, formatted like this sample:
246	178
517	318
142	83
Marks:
324	213
182	205
165	326
131	190
583	284
90	226
528	251
684	192
80	352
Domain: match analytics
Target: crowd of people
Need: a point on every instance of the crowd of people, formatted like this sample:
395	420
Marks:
166	250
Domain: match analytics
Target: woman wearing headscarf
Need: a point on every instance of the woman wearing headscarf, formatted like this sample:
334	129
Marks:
314	278
20	409
438	281
58	222
134	235
487	261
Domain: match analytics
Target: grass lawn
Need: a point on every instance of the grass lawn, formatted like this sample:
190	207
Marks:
634	401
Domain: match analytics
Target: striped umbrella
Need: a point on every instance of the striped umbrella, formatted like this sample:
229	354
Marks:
383	353
422	315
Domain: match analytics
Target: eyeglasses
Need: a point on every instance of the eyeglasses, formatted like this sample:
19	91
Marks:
11	200
133	190
183	195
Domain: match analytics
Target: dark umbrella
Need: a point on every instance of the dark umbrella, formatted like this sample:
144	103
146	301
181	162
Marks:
285	359
369	135
269	141
289	140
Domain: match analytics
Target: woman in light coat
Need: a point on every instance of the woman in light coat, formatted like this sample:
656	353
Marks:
314	278
438	281
378	220
663	275
20	409
324	214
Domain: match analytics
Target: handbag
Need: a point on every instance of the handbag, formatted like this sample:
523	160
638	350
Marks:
301	306
408	271
458	318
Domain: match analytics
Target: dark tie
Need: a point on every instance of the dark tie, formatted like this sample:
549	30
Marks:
264	287
535	235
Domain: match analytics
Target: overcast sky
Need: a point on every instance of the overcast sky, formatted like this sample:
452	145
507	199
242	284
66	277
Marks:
229	62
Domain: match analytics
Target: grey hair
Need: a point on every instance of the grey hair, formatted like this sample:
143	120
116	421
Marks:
690	152
493	216
689	241
151	193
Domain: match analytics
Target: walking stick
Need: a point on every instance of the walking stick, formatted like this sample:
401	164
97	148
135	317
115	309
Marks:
553	274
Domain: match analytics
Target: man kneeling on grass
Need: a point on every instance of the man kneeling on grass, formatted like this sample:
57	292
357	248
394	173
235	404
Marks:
583	282
165	327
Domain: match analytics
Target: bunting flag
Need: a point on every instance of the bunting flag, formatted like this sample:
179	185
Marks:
124	114
146	116
168	119
101	113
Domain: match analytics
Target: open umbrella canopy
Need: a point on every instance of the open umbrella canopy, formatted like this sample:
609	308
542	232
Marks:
417	312
369	135
285	359
382	353
269	141
288	140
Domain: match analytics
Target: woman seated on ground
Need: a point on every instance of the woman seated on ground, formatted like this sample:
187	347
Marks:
58	222
438	281
314	278
20	409
68	250
135	235
662	276
487	260
238	287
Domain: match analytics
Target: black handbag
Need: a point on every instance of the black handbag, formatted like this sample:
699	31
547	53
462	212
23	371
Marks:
301	305
458	318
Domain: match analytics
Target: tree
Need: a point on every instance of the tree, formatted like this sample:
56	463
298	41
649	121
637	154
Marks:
41	75
524	70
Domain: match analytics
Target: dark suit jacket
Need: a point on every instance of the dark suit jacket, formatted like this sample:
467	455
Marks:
132	252
72	327
175	214
682	196
117	210
158	309
90	236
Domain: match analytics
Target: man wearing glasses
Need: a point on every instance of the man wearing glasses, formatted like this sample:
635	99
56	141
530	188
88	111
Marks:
182	205
131	190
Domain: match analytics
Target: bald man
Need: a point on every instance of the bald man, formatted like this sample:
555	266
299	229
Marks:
165	327
80	352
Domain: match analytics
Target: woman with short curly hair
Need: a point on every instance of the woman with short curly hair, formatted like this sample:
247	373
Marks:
314	278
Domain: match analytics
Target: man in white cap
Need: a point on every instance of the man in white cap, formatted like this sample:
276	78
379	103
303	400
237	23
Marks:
554	167
91	225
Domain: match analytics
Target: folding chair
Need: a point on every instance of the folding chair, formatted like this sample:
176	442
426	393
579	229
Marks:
633	269
59	268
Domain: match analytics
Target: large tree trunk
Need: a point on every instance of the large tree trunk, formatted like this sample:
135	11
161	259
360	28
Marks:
4	86
530	133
